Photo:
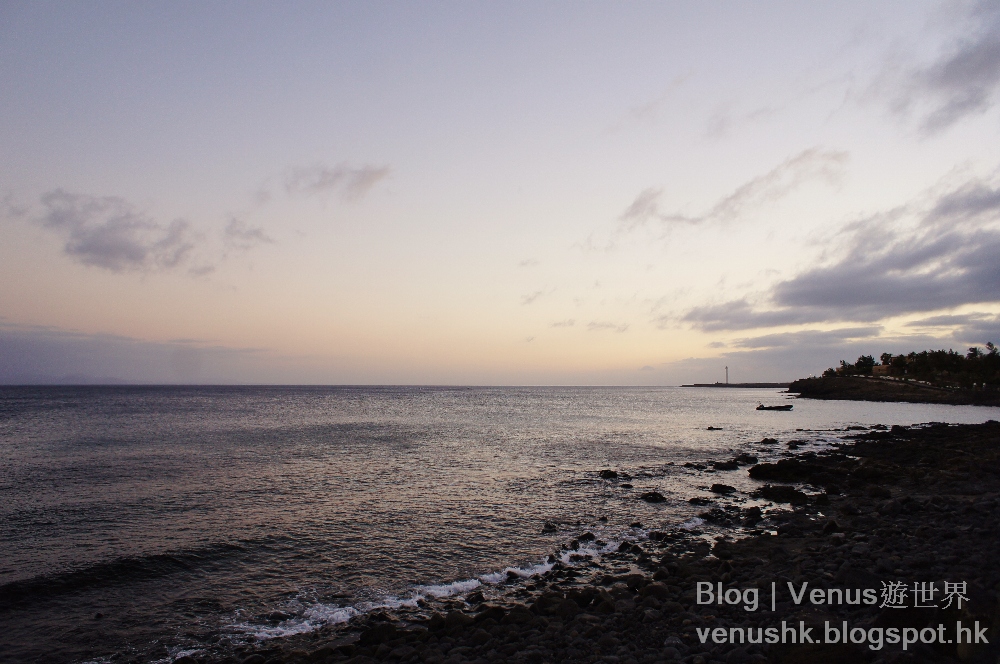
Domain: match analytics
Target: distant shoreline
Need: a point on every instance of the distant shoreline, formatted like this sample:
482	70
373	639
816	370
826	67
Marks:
856	388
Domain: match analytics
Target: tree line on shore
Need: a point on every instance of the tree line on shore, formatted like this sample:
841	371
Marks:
978	368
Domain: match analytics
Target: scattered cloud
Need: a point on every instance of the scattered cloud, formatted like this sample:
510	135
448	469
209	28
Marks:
238	235
527	262
110	233
569	322
350	182
946	257
594	326
647	367
808	165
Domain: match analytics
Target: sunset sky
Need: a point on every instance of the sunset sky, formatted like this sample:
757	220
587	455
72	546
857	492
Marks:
493	193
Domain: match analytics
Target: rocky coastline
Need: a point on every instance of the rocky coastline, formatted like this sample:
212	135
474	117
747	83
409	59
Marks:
883	506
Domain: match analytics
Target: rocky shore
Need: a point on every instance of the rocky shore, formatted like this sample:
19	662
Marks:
903	506
857	388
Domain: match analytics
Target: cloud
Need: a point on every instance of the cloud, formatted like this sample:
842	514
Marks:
594	326
963	81
569	322
740	315
528	299
238	235
351	183
809	337
527	262
947	320
775	184
946	257
976	328
110	233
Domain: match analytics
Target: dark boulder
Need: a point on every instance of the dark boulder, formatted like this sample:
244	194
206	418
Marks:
518	616
782	494
378	634
722	488
653	497
490	613
786	470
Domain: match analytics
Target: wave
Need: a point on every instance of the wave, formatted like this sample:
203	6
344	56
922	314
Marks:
120	571
311	617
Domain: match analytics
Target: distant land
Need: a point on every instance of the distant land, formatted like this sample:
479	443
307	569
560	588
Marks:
857	388
737	385
930	376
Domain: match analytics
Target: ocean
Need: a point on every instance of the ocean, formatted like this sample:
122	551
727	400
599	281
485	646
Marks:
144	523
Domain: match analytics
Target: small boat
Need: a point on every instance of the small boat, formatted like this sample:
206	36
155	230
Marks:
786	406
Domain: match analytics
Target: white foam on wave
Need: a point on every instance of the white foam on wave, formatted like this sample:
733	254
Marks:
691	523
312	617
522	572
450	589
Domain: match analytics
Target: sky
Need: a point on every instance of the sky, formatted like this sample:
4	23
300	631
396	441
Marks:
476	193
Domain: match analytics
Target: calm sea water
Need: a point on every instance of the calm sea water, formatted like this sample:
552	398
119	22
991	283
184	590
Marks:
186	515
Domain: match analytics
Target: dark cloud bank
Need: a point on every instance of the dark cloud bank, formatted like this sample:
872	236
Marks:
949	258
32	355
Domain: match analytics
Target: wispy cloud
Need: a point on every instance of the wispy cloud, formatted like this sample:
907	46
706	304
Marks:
569	322
764	189
110	233
603	326
963	81
531	297
239	235
350	182
809	337
527	262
